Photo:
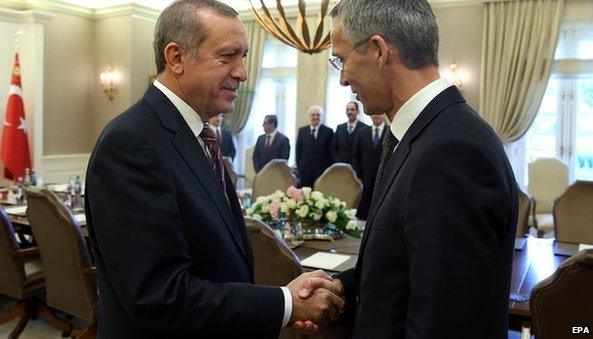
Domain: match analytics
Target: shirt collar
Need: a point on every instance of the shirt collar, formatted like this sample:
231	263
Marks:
273	134
315	127
353	124
191	117
412	108
380	127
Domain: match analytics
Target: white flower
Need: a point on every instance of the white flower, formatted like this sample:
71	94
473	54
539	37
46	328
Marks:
277	194
256	216
291	204
343	204
283	207
316	195
303	211
352	225
265	207
316	216
306	191
261	200
320	204
350	213
331	216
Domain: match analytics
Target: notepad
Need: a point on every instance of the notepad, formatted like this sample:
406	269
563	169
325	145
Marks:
325	261
81	218
584	247
16	210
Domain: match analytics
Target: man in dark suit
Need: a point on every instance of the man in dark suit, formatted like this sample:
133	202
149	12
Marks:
227	145
270	145
436	255
172	254
313	148
346	134
365	160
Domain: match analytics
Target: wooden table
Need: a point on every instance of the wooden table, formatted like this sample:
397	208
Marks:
535	262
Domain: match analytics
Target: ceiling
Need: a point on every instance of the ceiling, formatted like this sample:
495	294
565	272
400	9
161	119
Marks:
161	4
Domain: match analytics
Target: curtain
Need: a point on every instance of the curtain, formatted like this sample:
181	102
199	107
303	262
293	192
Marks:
520	39
236	120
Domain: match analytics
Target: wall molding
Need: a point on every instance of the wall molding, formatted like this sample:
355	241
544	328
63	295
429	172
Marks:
25	16
59	168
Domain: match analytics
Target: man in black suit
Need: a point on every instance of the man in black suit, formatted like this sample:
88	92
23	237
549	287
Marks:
172	254
270	145
436	255
313	148
227	145
346	134
365	160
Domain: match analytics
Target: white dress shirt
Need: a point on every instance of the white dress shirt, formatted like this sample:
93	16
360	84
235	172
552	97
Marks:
380	127
272	136
195	123
316	130
412	108
351	126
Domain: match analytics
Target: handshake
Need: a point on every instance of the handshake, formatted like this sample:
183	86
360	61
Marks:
317	299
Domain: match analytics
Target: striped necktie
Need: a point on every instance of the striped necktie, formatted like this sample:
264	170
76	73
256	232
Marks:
389	143
211	142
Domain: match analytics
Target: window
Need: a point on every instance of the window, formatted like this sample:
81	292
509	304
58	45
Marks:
337	98
563	127
275	94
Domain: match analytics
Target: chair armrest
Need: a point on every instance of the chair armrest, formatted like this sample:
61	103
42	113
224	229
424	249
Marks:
89	270
26	252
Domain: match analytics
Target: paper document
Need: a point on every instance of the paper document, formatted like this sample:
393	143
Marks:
584	247
58	187
16	210
326	261
81	218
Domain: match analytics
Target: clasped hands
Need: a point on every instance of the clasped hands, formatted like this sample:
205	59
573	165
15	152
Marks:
317	299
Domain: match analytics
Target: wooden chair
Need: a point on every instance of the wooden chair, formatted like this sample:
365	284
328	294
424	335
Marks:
70	280
276	175
573	214
563	300
339	180
524	213
548	178
23	280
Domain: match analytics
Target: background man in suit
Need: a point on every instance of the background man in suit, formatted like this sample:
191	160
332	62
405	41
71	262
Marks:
172	253
270	145
365	160
435	260
227	145
313	148
346	134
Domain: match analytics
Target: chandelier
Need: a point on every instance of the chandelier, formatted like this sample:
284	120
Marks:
307	40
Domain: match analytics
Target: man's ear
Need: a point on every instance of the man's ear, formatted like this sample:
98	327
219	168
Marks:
175	55
380	50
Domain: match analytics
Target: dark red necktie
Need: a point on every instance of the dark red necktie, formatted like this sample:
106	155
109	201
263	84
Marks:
211	143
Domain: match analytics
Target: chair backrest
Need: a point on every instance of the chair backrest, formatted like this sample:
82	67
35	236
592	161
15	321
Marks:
228	166
524	212
339	180
12	271
274	263
64	254
276	175
249	172
564	299
548	178
573	214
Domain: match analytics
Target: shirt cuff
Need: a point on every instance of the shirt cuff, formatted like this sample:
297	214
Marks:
287	306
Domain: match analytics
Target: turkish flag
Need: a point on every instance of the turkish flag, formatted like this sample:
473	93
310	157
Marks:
15	144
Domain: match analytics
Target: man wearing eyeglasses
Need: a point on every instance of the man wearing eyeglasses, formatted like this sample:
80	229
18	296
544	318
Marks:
436	255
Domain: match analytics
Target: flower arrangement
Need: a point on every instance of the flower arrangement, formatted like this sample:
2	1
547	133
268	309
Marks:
305	205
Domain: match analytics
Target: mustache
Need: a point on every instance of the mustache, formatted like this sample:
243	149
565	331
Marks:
231	85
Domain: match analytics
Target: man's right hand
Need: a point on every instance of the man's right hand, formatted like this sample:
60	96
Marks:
324	304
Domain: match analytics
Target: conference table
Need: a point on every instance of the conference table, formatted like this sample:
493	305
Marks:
531	264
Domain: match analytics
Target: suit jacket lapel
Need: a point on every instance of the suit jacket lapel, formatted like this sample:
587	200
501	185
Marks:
448	97
191	151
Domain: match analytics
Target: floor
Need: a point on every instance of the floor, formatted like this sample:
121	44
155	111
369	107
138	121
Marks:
35	329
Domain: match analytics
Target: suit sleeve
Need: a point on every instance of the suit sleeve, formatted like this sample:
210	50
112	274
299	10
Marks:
285	149
299	149
328	146
257	156
335	149
231	142
357	153
136	224
456	211
348	281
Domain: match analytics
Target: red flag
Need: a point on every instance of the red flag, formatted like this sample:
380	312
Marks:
15	144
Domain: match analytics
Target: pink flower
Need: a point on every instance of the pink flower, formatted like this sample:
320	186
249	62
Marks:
295	193
274	208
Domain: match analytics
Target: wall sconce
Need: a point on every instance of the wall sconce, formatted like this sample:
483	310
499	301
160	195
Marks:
108	78
455	76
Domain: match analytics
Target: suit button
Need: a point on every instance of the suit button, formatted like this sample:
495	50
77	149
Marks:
357	299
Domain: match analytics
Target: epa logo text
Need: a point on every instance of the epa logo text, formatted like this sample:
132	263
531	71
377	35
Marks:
580	330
